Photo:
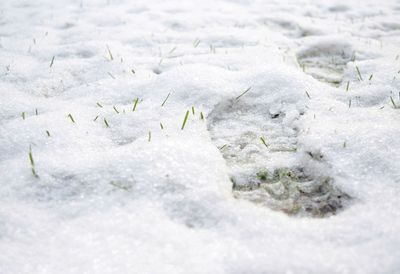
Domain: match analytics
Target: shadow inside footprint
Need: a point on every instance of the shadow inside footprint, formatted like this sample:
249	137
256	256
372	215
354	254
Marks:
325	59
293	192
266	168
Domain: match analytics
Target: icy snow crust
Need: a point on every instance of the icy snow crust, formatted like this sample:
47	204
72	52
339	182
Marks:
130	197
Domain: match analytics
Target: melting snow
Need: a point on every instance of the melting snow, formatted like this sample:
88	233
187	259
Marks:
115	185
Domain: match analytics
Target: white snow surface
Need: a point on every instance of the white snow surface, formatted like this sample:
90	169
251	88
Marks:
109	200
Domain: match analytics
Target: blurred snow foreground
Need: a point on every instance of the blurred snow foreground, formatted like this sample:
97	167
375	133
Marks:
199	137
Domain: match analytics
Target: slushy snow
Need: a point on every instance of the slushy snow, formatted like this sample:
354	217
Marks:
97	91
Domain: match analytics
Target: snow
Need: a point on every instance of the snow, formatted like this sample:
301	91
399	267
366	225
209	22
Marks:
135	198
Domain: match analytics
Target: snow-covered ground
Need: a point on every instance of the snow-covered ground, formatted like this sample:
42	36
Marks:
289	160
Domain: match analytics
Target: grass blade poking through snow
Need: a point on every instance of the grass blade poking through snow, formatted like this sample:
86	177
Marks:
247	90
71	118
34	172
163	103
31	157
196	42
193	110
348	85
201	116
52	61
48	133
394	105
185	119
135	104
109	53
112	76
172	50
222	147
149	136
100	105
359	74
161	126
117	185
105	122
32	163
116	110
263	141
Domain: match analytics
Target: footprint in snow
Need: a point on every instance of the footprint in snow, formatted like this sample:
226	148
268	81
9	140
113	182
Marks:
260	146
325	59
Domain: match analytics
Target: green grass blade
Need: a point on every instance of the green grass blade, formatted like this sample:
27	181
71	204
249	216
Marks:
105	122
112	76
394	105
359	74
109	53
165	100
222	147
31	158
135	104
185	119
52	61
263	141
71	118
247	90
